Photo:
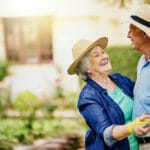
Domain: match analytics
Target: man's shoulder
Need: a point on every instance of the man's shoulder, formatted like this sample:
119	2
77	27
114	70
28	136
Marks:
141	60
142	63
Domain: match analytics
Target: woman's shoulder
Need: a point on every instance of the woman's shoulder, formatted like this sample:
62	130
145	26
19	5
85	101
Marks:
116	75
87	95
119	76
124	80
87	91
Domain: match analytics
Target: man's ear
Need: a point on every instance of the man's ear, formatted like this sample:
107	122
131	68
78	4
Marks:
145	35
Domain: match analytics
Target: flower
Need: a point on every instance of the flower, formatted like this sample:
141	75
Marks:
58	79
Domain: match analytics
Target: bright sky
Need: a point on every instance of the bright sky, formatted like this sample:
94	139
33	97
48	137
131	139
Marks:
37	7
25	7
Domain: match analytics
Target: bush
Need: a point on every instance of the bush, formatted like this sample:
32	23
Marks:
124	60
71	100
3	69
59	92
26	102
5	101
15	131
47	107
6	145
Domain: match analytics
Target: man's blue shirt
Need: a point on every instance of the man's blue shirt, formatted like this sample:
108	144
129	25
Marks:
142	89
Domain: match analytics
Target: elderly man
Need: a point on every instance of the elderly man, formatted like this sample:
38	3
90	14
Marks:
139	34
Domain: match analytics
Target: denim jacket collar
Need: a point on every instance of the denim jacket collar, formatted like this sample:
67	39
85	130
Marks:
97	86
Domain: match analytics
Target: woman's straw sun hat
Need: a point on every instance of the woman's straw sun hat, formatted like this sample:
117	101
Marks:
80	49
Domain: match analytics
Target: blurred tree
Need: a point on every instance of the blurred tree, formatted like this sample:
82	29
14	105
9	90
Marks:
143	1
124	3
3	69
118	3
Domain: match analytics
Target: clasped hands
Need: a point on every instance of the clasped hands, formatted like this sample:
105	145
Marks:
136	126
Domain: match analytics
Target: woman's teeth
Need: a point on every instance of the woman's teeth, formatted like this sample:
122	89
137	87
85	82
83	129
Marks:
104	63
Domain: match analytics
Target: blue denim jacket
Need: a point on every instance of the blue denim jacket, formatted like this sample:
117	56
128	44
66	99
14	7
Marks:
100	112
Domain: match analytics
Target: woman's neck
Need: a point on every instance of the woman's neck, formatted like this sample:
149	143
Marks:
104	81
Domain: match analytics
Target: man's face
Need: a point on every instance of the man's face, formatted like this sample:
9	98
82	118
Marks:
137	37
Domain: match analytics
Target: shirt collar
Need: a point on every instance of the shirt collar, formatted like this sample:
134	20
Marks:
99	87
145	62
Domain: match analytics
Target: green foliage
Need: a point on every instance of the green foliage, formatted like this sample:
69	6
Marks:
57	127
5	101
59	92
3	69
6	145
81	83
16	130
26	102
47	107
71	100
124	60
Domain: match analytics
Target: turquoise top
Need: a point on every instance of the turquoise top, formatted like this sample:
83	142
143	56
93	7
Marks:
126	105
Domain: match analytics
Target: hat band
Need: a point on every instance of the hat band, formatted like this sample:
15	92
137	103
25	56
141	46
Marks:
141	21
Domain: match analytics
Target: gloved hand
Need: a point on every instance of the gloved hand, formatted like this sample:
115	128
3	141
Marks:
136	122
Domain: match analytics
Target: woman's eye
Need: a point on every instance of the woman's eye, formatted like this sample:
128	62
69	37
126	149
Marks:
96	55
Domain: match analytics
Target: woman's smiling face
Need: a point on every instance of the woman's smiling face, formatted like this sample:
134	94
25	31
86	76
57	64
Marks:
99	61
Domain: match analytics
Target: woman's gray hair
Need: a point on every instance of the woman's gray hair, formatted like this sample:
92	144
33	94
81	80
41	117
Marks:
83	66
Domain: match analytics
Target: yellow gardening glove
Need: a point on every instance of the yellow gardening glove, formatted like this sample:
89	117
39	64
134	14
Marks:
136	122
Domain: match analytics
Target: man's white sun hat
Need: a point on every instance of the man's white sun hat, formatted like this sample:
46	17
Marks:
141	18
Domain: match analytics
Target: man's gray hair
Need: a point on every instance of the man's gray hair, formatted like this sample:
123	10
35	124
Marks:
83	66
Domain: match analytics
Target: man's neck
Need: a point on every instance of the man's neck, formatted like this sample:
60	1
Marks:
146	50
147	55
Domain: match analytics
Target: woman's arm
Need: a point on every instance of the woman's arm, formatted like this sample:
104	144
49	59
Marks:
122	131
97	119
94	115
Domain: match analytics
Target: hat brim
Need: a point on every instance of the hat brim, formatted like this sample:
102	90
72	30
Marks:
102	42
140	26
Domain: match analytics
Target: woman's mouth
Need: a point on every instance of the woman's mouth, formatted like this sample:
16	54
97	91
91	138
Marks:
104	62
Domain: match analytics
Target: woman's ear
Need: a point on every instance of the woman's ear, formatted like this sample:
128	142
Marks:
88	71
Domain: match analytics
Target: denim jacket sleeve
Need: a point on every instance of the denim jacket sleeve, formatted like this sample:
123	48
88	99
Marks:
108	137
94	115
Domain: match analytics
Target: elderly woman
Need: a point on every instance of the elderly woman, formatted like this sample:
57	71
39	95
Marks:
106	101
